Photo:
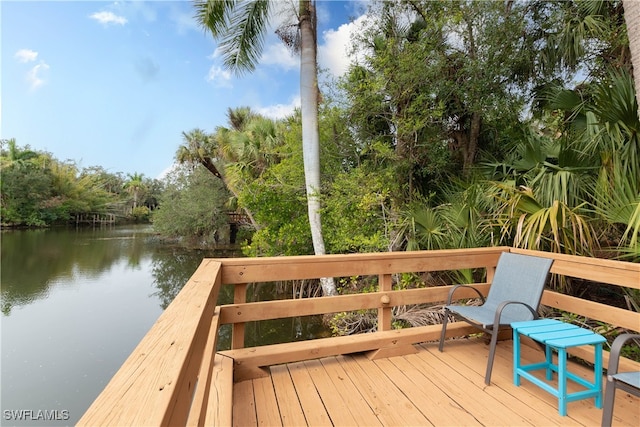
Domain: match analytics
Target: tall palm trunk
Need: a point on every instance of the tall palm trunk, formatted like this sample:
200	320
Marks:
310	129
632	19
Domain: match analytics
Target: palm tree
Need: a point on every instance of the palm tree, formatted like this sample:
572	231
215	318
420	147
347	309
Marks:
241	26
197	149
14	156
204	149
135	186
632	19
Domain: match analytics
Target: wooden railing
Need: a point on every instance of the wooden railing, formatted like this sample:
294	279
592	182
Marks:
175	376
95	219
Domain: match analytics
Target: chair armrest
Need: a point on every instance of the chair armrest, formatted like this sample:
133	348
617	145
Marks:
616	347
502	306
456	287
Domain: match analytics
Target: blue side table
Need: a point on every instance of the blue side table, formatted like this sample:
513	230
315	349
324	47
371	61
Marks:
558	336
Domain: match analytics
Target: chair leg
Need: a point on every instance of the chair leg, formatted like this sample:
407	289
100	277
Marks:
444	329
492	353
607	411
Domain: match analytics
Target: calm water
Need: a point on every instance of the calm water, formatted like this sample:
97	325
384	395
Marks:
75	303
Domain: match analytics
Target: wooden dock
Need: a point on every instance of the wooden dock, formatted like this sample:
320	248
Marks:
428	388
95	219
178	376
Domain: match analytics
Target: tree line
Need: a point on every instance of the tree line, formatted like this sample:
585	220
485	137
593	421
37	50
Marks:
458	124
38	190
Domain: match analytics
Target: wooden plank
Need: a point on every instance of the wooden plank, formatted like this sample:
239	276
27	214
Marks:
255	311
197	412
433	403
595	269
314	410
349	393
463	357
386	400
384	353
336	407
155	383
385	309
220	402
582	411
244	405
270	269
237	331
593	310
247	360
267	410
290	410
464	393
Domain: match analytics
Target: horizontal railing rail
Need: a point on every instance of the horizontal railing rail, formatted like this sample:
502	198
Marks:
175	375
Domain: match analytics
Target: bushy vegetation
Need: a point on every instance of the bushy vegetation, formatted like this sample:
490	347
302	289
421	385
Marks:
192	207
38	190
484	124
460	124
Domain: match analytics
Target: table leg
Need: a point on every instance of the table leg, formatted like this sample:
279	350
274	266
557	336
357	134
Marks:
597	371
516	357
548	352
562	381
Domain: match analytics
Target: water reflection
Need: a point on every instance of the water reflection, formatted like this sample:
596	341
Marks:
32	260
75	303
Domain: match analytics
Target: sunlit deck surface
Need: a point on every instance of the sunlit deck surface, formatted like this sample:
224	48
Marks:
426	388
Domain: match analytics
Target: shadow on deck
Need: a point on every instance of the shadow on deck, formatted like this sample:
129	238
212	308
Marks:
426	388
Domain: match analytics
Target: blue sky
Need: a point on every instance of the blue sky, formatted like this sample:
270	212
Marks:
114	84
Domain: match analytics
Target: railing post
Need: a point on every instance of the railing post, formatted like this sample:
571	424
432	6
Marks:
237	333
385	313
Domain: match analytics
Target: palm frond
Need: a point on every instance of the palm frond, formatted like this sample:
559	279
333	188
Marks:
243	43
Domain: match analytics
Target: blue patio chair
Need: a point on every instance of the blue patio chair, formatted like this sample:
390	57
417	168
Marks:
514	296
627	381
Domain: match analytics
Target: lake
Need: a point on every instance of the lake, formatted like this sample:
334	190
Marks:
76	302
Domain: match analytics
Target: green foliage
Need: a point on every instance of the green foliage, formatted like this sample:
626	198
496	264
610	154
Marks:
192	206
27	196
141	214
39	190
358	212
555	227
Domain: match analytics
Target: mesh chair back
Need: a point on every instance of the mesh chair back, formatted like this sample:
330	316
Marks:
518	278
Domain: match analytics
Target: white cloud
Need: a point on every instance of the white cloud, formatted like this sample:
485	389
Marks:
36	77
185	22
278	54
168	171
26	55
107	18
219	77
332	54
279	111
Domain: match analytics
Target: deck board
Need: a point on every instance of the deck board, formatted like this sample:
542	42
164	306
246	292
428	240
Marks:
388	402
313	407
350	393
291	411
426	388
265	398
465	392
244	408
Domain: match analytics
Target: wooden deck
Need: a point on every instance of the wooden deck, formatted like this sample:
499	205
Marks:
177	376
426	388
